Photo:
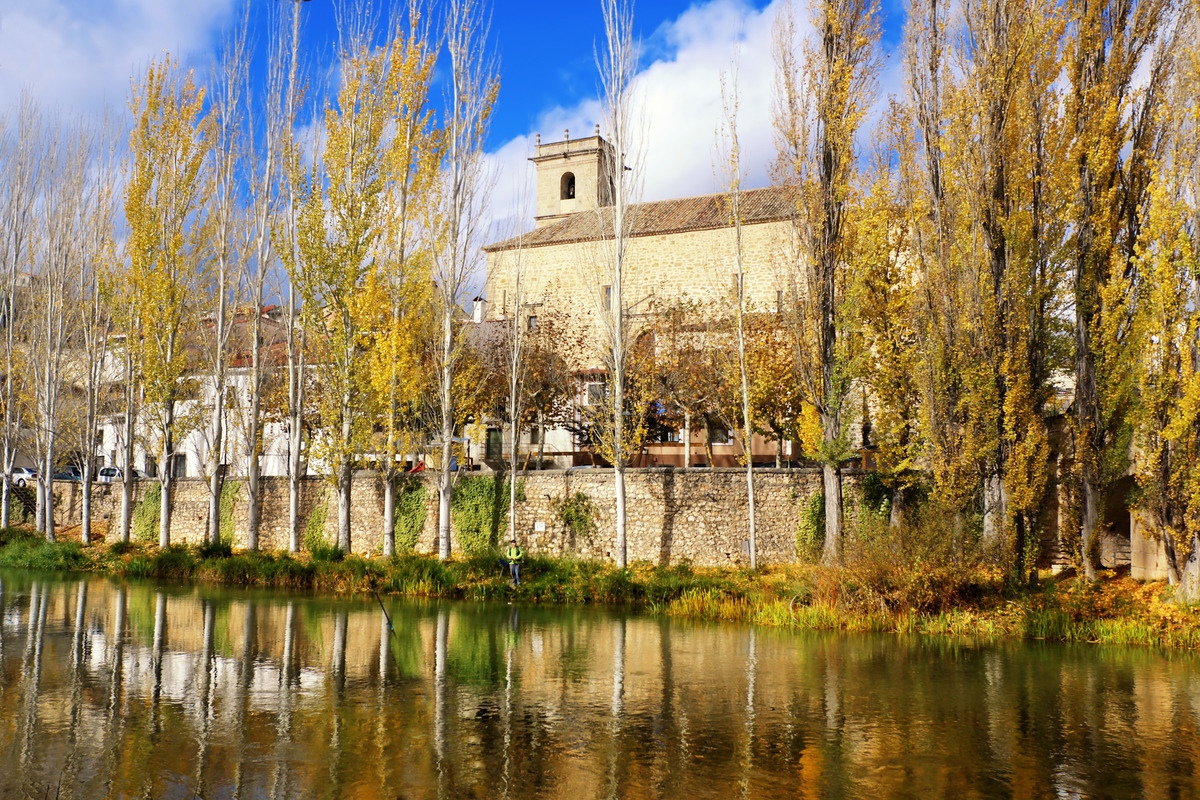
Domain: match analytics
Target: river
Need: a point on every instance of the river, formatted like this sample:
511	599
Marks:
137	690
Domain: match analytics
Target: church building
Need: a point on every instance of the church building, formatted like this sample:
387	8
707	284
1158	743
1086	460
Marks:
680	248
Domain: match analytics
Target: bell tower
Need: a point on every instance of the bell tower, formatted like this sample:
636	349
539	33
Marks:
573	175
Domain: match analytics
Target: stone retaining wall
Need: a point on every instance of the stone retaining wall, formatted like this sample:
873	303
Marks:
672	515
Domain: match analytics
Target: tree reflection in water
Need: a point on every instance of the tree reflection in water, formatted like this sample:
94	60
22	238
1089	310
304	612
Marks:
142	691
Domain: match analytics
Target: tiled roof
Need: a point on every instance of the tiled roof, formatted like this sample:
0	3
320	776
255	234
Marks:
706	212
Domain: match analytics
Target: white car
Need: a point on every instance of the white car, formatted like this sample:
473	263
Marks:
114	475
23	476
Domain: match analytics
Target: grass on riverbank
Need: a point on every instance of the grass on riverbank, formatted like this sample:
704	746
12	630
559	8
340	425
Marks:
972	602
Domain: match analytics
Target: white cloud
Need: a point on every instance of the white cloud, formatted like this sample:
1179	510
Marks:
78	55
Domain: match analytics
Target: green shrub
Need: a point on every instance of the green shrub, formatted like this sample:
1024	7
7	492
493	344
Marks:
174	562
411	505
327	553
810	533
146	515
38	554
418	575
221	549
119	548
9	535
479	511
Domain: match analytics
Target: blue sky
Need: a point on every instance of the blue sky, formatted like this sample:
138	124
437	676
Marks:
78	55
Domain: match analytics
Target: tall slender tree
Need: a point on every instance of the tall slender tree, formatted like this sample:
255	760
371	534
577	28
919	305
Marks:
166	200
453	221
342	218
818	113
618	64
730	149
1114	144
21	144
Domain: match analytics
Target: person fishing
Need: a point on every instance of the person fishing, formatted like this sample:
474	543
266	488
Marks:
512	559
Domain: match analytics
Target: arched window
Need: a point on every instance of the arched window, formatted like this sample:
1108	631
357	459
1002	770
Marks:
568	186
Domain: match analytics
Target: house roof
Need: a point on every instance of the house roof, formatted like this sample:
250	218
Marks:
705	212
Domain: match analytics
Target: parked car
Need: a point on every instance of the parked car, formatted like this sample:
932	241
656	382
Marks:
69	474
114	475
23	476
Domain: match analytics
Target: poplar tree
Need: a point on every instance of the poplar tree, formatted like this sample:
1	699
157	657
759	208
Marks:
60	255
1166	329
821	100
20	182
729	146
453	224
618	68
268	127
230	251
166	201
1114	143
342	205
400	283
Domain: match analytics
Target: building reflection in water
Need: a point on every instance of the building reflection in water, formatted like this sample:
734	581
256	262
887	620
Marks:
112	690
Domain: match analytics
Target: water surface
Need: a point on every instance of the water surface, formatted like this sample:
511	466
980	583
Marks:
140	690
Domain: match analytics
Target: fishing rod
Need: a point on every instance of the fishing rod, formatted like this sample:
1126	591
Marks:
386	615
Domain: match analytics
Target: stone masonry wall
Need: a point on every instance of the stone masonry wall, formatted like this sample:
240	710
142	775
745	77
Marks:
673	515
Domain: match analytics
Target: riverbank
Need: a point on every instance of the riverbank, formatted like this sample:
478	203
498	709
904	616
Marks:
943	601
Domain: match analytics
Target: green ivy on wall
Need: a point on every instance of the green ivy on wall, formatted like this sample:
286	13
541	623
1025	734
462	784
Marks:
577	514
146	515
314	526
229	495
479	512
411	506
810	533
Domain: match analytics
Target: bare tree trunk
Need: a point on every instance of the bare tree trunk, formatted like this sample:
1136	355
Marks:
541	429
687	438
166	479
831	481
130	427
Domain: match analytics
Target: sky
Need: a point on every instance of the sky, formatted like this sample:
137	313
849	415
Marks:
76	56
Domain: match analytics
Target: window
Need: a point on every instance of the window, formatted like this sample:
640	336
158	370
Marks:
606	298
719	434
495	443
532	322
178	465
594	393
533	434
567	186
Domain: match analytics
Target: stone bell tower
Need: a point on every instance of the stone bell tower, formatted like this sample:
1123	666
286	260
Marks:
573	175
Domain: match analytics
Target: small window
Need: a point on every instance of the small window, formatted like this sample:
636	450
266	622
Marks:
495	443
533	434
567	186
532	322
606	297
594	393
